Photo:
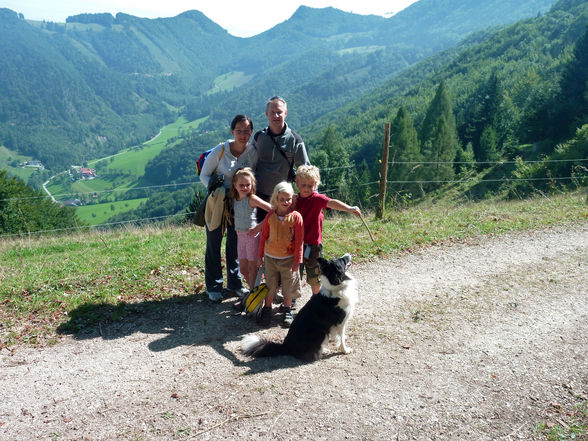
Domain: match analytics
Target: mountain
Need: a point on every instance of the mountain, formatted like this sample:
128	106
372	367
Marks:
508	87
97	83
519	91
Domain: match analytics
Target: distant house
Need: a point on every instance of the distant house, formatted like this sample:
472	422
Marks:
73	203
87	173
34	164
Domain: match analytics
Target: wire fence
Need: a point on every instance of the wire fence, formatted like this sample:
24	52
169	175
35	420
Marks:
188	214
62	196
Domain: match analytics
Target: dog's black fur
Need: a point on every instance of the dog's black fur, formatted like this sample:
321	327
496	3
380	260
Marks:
324	315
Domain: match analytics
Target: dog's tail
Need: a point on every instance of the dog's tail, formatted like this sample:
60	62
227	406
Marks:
255	346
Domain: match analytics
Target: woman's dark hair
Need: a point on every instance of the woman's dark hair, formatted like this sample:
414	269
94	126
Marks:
238	119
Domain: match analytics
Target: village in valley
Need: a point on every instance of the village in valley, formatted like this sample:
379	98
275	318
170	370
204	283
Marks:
75	173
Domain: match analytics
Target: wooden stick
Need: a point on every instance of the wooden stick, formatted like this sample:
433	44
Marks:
367	228
228	420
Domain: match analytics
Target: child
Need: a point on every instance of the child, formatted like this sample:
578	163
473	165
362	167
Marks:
245	204
280	249
310	205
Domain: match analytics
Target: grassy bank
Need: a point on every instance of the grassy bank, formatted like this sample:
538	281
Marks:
55	285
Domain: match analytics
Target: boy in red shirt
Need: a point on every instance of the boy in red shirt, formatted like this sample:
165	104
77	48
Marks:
310	205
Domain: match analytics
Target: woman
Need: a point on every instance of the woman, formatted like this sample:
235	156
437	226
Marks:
225	159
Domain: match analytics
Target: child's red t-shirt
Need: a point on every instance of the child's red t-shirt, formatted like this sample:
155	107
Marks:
311	209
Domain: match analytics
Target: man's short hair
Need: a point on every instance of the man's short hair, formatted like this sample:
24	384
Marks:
275	98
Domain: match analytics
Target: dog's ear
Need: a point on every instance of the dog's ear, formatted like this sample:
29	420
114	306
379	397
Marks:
321	261
347	259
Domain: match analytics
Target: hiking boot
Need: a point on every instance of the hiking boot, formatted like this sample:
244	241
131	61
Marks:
288	317
214	296
265	318
282	307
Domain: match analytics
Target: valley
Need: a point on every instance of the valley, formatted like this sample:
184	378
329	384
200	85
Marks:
106	195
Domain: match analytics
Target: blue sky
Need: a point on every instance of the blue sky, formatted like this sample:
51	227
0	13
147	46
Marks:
241	18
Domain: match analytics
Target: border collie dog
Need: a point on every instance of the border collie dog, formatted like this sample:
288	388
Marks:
323	317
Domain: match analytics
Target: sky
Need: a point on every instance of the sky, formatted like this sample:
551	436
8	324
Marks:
242	18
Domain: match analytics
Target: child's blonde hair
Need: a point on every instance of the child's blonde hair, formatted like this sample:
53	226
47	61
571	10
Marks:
310	172
242	172
282	187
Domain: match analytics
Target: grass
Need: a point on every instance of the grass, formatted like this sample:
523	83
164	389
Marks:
134	159
130	163
435	223
100	213
229	81
69	284
571	423
6	156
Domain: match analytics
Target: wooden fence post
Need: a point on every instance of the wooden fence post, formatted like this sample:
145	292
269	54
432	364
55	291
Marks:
384	172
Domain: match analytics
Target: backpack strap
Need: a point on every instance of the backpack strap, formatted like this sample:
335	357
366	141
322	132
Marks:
220	157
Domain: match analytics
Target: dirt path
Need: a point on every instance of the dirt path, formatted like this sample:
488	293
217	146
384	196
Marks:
478	341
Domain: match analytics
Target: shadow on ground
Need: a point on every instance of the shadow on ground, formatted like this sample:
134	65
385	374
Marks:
179	321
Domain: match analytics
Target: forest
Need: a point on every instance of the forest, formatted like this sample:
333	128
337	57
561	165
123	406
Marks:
503	113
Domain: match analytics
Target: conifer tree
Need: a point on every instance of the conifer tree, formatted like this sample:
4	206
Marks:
335	169
405	152
488	145
361	187
465	159
572	102
440	142
487	113
445	149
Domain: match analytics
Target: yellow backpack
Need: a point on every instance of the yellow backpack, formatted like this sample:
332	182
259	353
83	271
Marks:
253	302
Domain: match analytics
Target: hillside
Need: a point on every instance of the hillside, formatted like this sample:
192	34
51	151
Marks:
495	82
520	67
98	102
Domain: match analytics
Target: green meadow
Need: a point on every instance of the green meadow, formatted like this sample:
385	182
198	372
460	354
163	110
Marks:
100	213
8	156
228	81
125	170
134	159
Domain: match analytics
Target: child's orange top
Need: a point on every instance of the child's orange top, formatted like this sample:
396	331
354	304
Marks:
282	238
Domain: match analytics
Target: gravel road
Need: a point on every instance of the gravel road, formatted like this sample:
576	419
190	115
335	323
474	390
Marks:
484	340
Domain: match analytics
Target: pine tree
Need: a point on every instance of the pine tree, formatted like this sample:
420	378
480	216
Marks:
405	152
360	187
334	173
488	113
489	145
572	102
446	147
465	159
440	142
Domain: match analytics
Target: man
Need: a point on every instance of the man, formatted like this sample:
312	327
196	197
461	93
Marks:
279	150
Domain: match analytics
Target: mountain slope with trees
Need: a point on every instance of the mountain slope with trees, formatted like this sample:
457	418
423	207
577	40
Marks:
482	102
509	91
98	83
